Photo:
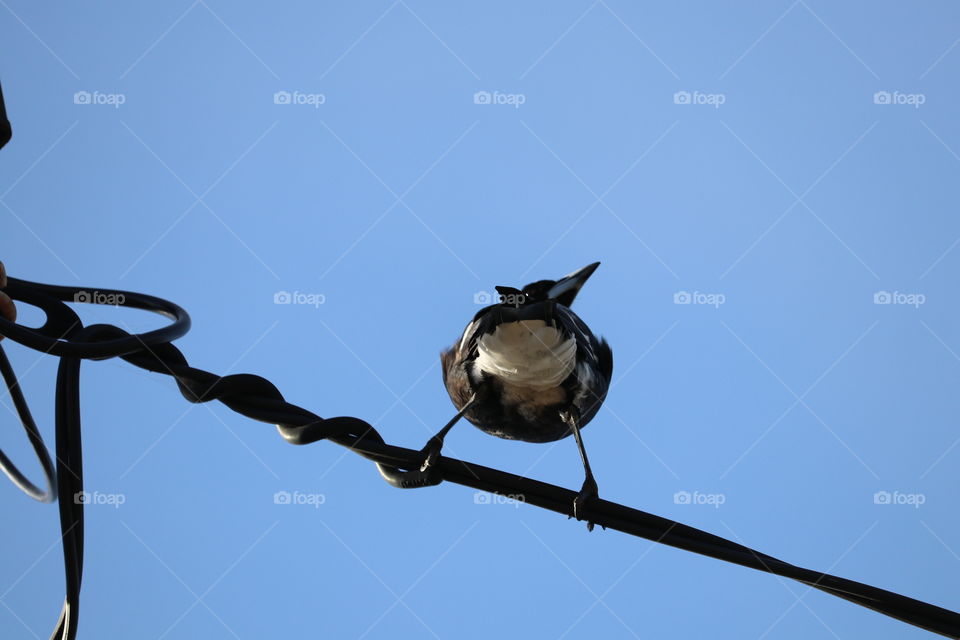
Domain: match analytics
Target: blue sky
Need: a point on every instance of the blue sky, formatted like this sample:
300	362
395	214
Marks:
789	169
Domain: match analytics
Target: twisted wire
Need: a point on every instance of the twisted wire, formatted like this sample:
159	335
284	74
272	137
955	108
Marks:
64	336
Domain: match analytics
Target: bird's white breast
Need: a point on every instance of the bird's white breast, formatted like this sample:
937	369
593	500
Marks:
528	353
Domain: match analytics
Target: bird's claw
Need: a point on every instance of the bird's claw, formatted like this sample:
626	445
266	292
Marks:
431	453
424	475
588	493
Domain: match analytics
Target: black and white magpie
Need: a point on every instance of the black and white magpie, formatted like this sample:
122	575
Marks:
528	368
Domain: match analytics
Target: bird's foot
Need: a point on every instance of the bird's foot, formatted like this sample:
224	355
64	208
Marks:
431	452
588	493
424	475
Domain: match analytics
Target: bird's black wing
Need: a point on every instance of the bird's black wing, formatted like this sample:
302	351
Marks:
588	382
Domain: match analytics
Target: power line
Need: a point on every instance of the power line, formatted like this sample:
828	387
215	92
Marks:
64	336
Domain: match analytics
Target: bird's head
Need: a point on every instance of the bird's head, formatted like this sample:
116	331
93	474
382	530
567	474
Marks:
562	291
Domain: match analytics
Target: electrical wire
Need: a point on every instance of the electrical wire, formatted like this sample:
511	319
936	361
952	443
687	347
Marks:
64	336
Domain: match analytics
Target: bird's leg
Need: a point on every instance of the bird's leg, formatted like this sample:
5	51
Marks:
588	491
432	450
423	476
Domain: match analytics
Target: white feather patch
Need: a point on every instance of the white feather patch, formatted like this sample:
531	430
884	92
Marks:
527	353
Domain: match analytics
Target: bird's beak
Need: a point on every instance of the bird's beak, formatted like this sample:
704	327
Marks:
567	287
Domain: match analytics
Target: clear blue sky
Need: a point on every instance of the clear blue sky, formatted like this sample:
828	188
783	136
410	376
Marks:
777	184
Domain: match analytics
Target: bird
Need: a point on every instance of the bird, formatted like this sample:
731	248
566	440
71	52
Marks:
528	368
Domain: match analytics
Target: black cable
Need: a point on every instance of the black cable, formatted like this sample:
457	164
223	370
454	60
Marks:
6	132
254	397
36	441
